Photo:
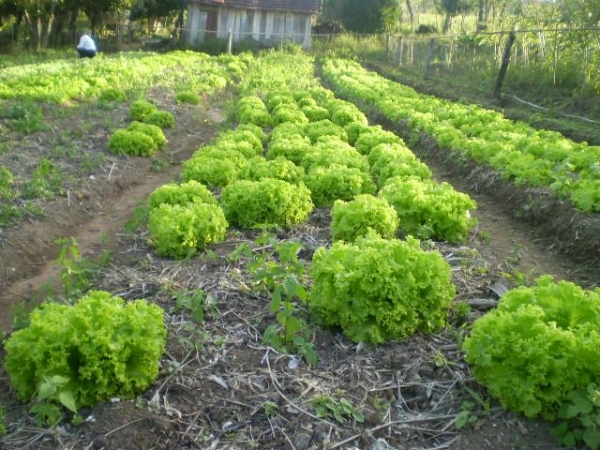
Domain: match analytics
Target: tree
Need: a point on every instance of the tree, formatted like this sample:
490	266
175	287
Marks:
453	8
372	16
154	10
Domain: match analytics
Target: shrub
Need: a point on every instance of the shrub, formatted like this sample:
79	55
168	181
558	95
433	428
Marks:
350	220
336	182
101	347
153	131
315	130
428	209
266	202
180	231
540	344
188	97
279	168
377	290
134	143
162	119
141	109
181	194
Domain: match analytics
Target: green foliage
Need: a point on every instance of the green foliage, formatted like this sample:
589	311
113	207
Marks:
343	113
240	137
252	110
354	130
538	346
133	143
279	168
288	112
162	119
325	127
377	290
350	220
428	209
181	194
180	231
315	113
579	418
254	129
25	117
374	136
189	97
112	95
2	426
213	167
99	348
331	150
341	410
266	202
395	160
337	182
141	109
153	131
293	147
45	182
282	275
192	300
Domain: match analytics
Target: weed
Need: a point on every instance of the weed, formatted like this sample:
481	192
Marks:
579	418
282	274
25	117
139	220
340	410
470	410
193	300
45	181
270	408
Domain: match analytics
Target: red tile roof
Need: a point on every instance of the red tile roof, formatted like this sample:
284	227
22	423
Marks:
303	6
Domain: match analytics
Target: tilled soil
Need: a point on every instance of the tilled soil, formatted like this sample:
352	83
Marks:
220	386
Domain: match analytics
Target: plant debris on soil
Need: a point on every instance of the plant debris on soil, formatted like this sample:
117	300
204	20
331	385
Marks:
220	387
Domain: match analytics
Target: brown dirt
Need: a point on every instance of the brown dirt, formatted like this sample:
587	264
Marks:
220	386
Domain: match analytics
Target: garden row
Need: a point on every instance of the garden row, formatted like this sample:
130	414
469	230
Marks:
536	158
298	147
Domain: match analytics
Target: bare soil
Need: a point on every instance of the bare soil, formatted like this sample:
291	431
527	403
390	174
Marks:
220	386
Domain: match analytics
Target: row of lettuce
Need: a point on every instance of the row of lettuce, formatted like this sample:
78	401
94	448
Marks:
296	148
535	158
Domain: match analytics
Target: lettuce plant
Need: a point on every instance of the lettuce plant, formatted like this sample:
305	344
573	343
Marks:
332	150
141	109
180	231
430	210
240	136
353	219
189	97
279	168
336	182
377	290
325	127
294	147
266	202
100	347
374	136
153	131
133	143
354	130
285	112
315	113
343	112
539	345
213	166
162	119
181	194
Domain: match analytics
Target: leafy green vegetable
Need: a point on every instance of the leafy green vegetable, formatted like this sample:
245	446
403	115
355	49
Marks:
101	347
538	346
428	209
153	131
141	109
377	289
266	202
279	168
350	220
180	231
181	194
134	143
336	182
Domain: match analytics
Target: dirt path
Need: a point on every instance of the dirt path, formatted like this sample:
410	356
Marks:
94	216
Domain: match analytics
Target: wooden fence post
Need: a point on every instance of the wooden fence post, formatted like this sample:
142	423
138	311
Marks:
229	41
388	46
400	49
505	60
429	57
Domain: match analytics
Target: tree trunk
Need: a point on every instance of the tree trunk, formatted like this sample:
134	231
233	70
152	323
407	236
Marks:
447	23
411	13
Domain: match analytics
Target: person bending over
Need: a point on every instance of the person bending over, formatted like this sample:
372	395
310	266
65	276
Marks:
86	47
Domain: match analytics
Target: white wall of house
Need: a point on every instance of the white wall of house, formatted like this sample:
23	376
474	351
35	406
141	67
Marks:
268	27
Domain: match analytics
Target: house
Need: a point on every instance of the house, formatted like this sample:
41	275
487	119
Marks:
268	22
